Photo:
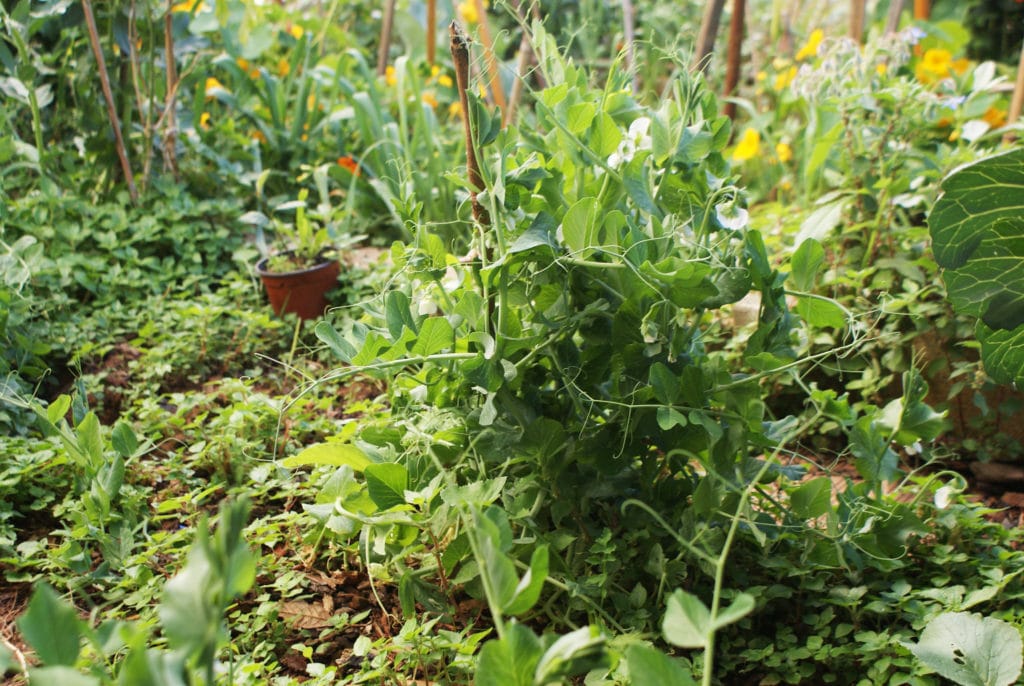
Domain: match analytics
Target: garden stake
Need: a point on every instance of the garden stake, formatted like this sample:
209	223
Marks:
1017	102
497	90
431	31
630	35
171	125
101	67
922	9
460	58
524	59
732	65
857	21
706	38
385	37
892	20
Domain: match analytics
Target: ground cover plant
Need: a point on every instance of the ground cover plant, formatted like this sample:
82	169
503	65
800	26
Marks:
619	390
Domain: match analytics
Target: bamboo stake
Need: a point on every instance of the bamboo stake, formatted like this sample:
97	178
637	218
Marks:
385	37
892	20
922	9
101	67
708	31
460	58
732	67
524	59
431	31
1017	102
628	23
857	20
171	119
497	90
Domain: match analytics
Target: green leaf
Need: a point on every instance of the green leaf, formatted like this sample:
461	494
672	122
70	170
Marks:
386	483
575	653
605	135
509	661
875	461
820	312
329	453
397	314
528	589
51	627
970	650
89	440
687	622
806	261
742	605
338	345
579	226
123	439
812	499
60	676
664	383
436	334
635	179
977	230
649	666
580	116
669	417
58	408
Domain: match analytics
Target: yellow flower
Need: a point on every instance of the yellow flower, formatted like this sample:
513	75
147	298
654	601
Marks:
296	31
784	79
283	67
311	101
810	48
467	10
937	64
760	76
212	86
455	109
434	71
995	117
429	99
257	135
445	81
189	6
248	67
784	152
955	136
204	121
390	76
881	68
748	146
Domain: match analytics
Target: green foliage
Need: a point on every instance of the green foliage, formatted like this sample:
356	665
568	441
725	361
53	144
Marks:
971	650
977	239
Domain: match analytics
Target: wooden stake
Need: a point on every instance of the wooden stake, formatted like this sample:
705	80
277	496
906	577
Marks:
1017	103
628	23
922	9
857	20
431	31
708	32
497	90
732	66
171	120
385	37
892	20
460	59
108	95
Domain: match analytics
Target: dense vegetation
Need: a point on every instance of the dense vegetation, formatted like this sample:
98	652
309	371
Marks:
641	393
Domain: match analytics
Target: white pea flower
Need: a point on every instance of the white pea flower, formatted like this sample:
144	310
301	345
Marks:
637	138
731	216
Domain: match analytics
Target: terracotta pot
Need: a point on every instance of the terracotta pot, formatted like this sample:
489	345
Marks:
302	292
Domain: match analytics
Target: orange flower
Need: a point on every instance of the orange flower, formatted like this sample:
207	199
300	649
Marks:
283	67
348	163
995	117
429	99
257	135
937	64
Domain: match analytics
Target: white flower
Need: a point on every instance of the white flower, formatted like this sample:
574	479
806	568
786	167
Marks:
943	497
637	138
730	216
974	129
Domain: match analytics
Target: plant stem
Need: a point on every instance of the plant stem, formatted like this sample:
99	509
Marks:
732	66
460	58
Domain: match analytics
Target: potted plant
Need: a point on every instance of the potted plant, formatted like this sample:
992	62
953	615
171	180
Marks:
304	265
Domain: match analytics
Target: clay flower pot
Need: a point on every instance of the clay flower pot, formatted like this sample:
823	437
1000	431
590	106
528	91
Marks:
302	291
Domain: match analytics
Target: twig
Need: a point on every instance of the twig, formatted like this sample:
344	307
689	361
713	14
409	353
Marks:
140	99
732	65
18	655
857	20
385	37
460	58
101	66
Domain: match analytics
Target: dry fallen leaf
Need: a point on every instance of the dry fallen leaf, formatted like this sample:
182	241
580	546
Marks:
305	615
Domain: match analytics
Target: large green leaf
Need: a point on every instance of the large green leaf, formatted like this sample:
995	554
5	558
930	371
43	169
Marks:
971	650
977	229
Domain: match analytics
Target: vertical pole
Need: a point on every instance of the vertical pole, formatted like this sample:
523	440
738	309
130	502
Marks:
431	31
732	66
385	37
630	36
922	9
108	95
1017	103
892	21
708	31
493	72
857	20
